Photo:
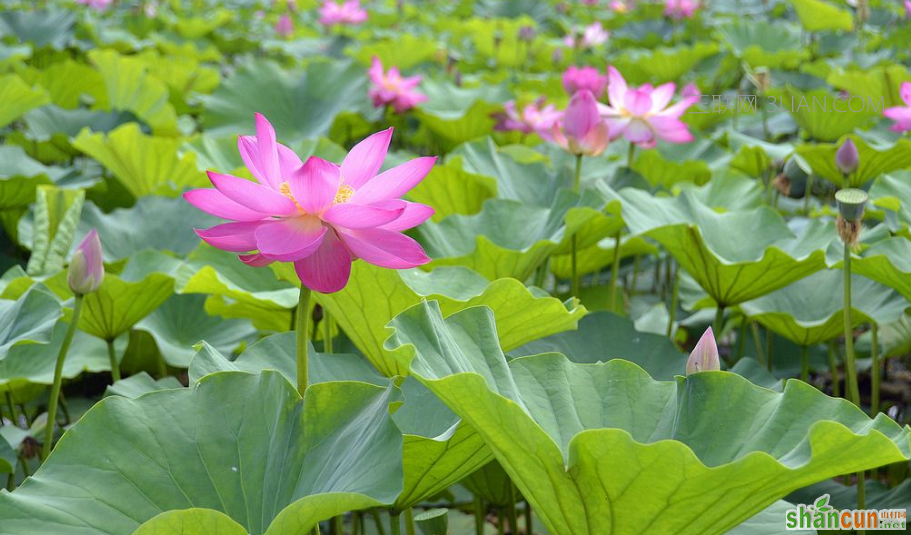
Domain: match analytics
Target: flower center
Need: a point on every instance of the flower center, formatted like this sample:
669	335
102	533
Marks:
285	189
344	193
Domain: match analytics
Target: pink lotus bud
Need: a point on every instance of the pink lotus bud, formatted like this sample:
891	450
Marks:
846	157
584	130
284	27
704	357
86	272
576	79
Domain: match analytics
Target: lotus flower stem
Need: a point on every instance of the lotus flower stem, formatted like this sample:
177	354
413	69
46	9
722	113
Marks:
760	354
12	408
115	367
672	311
577	185
833	369
409	521
501	520
718	324
615	273
395	523
513	511
635	282
529	524
804	364
376	520
630	155
303	336
808	194
875	370
58	378
850	365
769	343
478	515
327	331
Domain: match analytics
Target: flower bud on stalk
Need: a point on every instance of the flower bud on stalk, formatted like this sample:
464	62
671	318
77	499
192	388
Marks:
86	272
704	357
851	202
846	157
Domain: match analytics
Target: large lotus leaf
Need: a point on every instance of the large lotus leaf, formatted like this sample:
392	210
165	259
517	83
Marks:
438	449
509	50
532	183
807	316
605	449
601	255
824	115
16	98
140	384
8	457
375	295
181	321
40	28
68	83
244	291
459	114
734	256
663	64
508	238
874	161
873	84
145	165
149	224
243	448
183	74
131	87
20	176
57	213
887	262
754	156
893	193
764	44
405	51
451	189
817	16
877	495
32	364
123	300
50	122
27	320
603	336
300	104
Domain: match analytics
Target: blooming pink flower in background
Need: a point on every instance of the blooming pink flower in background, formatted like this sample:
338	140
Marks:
575	79
318	215
908	9
680	9
348	12
691	90
704	357
582	131
642	114
98	5
593	35
590	2
284	27
86	271
389	87
618	6
901	114
537	117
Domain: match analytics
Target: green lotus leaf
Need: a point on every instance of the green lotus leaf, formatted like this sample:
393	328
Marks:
874	161
249	292
405	51
818	16
600	255
810	311
659	170
734	256
68	83
491	483
9	460
877	495
604	336
754	156
824	115
451	189
16	98
764	44
140	384
663	64
29	319
40	28
245	446
895	337
49	130
605	449
510	238
149	224
123	300
893	193
888	262
300	104
20	176
873	84
145	165
184	75
375	295
131	87
181	321
509	51
57	213
438	449
459	114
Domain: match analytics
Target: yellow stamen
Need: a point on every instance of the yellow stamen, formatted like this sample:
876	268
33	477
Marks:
285	189
344	193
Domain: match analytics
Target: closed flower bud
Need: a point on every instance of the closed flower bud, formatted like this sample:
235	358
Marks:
86	272
704	357
847	158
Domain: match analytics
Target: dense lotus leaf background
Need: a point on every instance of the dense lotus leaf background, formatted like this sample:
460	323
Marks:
480	382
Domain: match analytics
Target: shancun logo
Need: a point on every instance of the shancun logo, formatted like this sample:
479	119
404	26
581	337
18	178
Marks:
821	515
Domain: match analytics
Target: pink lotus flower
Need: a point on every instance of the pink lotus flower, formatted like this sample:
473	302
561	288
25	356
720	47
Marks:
348	12
389	87
590	2
86	271
642	114
680	9
575	79
618	6
97	5
704	357
582	131
901	114
908	9
285	26
536	117
593	35
318	215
